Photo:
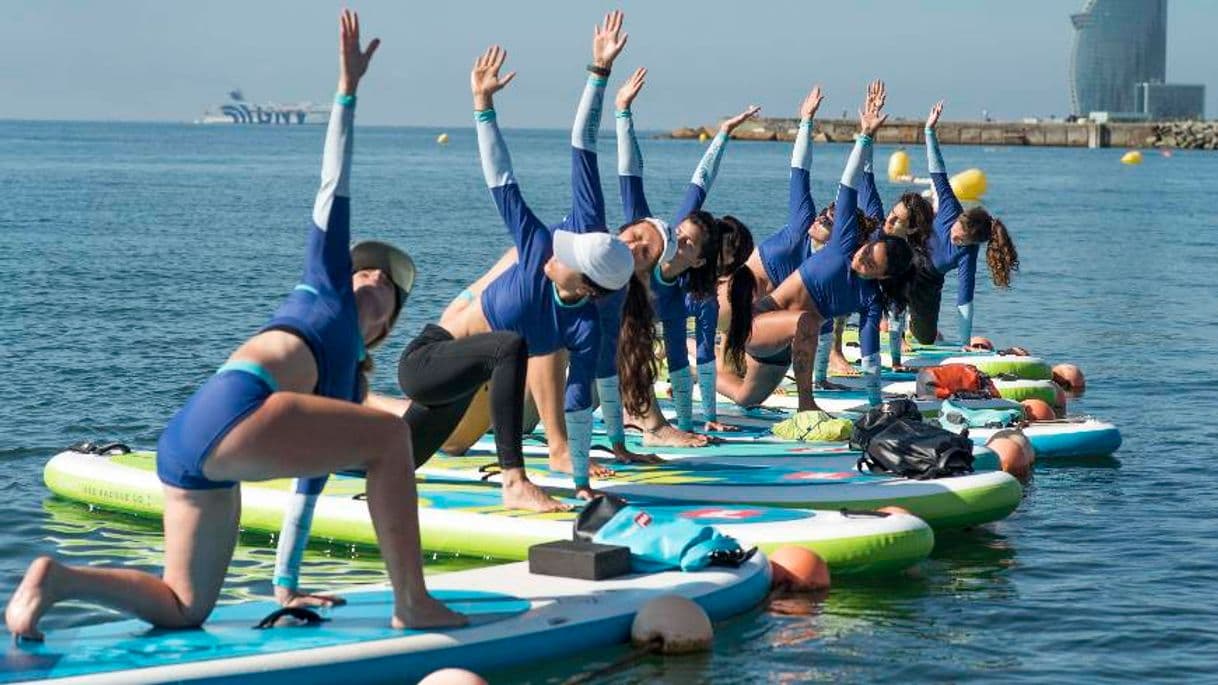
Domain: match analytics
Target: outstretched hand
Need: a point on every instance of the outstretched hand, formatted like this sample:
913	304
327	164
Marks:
630	89
932	119
484	79
352	61
871	117
811	103
731	124
608	40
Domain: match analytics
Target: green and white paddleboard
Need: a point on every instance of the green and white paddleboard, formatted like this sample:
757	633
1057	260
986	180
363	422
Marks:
469	517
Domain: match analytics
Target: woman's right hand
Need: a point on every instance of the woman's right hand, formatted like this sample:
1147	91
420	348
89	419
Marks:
932	119
871	117
484	79
353	62
630	89
808	108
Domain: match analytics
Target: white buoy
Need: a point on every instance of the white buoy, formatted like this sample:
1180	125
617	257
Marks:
679	624
453	676
442	139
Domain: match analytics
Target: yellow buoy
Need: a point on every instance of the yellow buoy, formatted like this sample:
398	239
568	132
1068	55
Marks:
898	166
442	139
1131	157
702	137
969	185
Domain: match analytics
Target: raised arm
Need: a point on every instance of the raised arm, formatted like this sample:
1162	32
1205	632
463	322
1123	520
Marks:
587	196
328	263
629	156
801	209
708	167
949	207
527	231
844	238
869	196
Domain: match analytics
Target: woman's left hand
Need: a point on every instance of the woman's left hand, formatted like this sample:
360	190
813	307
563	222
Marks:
731	124
608	40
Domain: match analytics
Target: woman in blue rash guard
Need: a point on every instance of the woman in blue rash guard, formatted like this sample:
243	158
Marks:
747	379
953	245
546	295
690	273
286	403
847	275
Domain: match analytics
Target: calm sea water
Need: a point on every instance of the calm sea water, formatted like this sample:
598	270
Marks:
133	259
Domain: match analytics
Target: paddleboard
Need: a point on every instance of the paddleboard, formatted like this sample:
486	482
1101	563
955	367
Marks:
469	517
1016	390
515	618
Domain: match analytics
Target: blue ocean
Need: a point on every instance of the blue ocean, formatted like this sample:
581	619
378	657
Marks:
135	257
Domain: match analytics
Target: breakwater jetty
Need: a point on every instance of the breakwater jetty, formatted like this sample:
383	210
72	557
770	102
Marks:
1188	135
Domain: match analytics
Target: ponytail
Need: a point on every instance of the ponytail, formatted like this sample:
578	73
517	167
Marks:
1001	255
636	359
740	291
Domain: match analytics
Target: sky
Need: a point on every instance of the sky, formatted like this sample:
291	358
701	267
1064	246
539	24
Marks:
168	61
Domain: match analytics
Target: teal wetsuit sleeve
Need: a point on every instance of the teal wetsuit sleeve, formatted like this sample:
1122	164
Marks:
630	169
587	196
293	538
328	259
869	341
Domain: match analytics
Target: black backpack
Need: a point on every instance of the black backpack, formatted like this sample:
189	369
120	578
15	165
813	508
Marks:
917	450
878	418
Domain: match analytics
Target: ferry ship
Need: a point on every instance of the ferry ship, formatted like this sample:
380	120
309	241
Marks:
240	111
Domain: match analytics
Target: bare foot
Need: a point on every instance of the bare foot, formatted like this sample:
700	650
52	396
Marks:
33	597
528	496
838	366
562	464
671	436
596	470
427	612
625	456
295	598
830	385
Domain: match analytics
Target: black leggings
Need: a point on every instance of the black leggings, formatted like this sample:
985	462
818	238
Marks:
441	375
924	302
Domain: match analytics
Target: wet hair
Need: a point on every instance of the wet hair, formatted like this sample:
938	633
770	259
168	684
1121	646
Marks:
921	219
1000	254
636	359
897	283
741	287
700	281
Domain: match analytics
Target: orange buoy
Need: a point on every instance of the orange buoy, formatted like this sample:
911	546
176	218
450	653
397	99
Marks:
453	676
895	510
1015	452
1070	378
799	569
979	341
677	623
1038	410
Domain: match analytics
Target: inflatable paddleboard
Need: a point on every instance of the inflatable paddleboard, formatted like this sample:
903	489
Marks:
515	618
1014	390
943	503
1030	368
469	517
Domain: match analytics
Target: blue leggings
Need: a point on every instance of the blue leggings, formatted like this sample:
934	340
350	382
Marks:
237	389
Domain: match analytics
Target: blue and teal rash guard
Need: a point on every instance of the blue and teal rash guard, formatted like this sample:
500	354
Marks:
945	255
673	303
783	252
834	287
522	299
321	310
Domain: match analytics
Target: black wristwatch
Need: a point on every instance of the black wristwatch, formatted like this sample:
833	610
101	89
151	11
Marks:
599	71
